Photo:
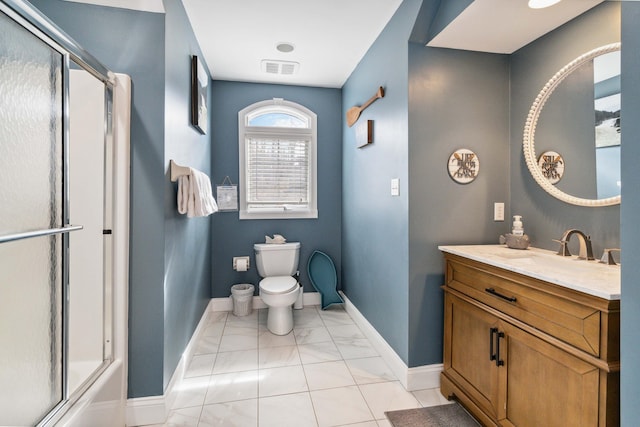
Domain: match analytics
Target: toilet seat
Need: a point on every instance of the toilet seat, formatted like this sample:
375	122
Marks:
277	285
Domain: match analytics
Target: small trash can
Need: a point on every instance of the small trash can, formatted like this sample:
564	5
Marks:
242	296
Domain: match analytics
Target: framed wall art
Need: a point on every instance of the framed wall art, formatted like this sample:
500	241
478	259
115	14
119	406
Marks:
552	166
199	96
463	166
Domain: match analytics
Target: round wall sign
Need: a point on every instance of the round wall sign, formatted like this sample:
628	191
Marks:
463	166
552	166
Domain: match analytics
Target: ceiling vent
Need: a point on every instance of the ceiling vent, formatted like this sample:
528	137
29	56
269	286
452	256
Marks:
286	68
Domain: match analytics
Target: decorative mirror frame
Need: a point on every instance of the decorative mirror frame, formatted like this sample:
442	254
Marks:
528	143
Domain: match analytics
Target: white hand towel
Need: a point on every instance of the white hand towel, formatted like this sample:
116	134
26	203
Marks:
204	203
183	193
195	197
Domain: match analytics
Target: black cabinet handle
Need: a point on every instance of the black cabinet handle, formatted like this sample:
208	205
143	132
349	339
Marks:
498	361
499	295
492	355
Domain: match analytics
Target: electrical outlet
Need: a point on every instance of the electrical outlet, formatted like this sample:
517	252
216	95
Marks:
498	211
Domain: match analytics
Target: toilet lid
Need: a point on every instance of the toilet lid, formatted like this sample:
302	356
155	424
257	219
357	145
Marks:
278	284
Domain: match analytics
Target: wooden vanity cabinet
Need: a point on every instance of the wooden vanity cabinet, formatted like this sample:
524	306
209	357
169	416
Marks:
511	373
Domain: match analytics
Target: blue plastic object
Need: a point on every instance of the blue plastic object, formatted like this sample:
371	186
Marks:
322	273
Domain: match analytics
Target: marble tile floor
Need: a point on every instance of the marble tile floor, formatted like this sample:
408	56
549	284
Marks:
324	373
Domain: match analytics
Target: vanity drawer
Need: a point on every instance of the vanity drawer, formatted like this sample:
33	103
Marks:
544	306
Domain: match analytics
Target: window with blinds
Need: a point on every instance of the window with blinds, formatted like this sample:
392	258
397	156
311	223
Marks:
277	161
277	172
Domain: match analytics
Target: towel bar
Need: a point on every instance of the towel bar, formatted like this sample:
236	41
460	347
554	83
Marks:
177	170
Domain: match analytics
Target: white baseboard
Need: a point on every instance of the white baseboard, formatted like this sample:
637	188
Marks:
417	378
223	304
423	377
226	304
146	410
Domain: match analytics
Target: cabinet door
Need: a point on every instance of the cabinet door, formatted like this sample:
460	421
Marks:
468	343
544	385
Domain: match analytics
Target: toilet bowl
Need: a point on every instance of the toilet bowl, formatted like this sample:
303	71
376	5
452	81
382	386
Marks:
277	263
279	293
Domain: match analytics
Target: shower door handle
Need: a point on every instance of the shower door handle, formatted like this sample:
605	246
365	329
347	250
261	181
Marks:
38	233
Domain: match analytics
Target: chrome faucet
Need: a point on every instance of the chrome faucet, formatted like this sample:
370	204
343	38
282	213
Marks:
586	252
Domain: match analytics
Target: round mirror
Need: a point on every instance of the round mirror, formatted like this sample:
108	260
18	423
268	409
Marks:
581	125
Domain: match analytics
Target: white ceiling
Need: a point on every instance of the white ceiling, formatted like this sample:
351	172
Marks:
330	37
504	26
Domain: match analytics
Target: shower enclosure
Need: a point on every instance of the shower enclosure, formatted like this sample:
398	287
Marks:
61	280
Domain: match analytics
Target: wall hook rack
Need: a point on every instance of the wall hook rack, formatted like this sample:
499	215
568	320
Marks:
178	171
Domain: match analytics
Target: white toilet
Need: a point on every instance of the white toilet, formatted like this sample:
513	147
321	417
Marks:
277	263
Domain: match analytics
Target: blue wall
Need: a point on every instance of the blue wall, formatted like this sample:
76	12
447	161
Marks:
169	255
233	237
545	217
375	240
437	100
457	99
630	232
187	249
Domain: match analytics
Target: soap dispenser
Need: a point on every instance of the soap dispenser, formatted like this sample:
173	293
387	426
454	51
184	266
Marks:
517	226
516	239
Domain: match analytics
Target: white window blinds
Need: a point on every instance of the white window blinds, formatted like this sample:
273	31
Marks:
278	172
277	150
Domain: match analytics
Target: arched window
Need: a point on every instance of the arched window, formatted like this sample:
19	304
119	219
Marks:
277	146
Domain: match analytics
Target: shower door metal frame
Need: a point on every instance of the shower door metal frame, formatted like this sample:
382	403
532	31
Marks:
41	27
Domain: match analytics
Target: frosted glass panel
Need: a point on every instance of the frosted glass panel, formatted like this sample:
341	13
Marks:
31	195
30	131
30	329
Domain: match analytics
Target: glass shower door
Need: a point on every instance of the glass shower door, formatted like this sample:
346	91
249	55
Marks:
32	216
56	167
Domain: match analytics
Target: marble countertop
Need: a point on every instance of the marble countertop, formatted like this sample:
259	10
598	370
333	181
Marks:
590	277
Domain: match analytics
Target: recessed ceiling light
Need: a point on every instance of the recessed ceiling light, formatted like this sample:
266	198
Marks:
285	47
541	4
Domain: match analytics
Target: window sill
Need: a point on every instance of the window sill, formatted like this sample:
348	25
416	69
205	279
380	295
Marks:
279	214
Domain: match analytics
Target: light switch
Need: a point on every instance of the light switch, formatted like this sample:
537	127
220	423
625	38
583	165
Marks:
498	211
395	186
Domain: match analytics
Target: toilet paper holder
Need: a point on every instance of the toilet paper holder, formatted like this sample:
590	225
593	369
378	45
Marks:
243	260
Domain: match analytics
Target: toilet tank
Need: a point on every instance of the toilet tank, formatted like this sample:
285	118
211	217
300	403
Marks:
277	259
